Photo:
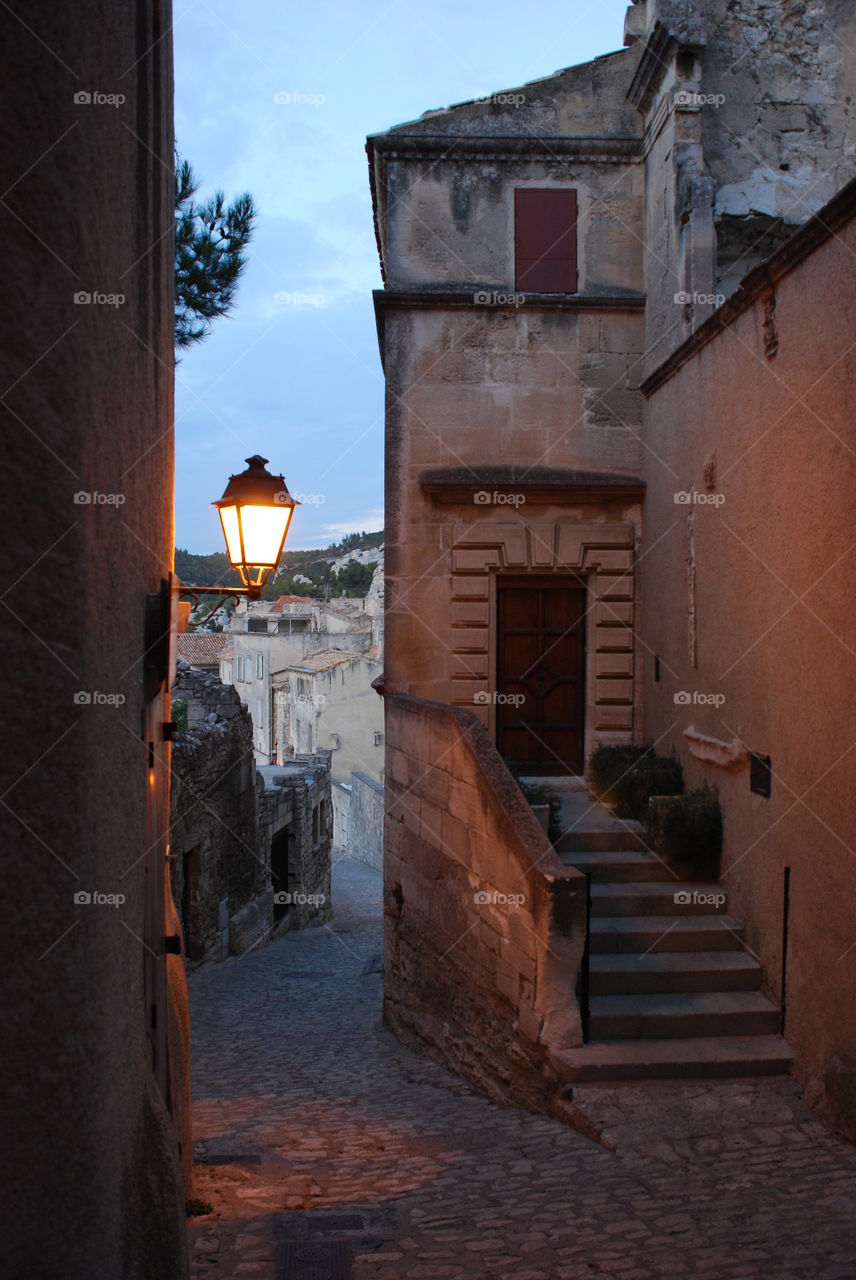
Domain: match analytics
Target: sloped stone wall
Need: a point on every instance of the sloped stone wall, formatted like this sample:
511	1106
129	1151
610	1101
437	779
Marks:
484	928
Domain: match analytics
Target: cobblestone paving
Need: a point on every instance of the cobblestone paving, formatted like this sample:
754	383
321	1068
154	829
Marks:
312	1122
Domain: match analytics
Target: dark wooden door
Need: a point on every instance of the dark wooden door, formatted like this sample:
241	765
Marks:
540	702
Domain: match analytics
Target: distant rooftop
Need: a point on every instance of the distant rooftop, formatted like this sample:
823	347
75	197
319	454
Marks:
200	648
326	660
280	604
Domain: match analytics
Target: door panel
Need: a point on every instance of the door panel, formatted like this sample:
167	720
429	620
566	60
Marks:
540	706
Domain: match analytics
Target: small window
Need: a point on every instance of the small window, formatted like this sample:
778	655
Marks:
334	741
259	713
545	240
378	739
258	626
260	666
239	670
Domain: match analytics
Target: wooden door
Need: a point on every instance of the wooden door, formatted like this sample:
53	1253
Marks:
540	696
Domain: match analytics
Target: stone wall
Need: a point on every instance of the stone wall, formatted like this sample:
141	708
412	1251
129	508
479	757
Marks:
219	866
484	928
755	417
92	1169
297	800
749	130
341	813
225	819
365	821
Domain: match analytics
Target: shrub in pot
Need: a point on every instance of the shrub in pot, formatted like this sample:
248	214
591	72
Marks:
625	777
687	830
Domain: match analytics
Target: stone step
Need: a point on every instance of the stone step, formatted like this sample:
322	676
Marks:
611	837
638	935
674	971
705	1058
671	1015
560	782
656	898
612	865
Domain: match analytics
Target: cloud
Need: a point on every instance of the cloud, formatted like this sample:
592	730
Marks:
369	523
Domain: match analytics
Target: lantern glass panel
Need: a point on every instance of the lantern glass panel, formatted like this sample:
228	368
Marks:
264	529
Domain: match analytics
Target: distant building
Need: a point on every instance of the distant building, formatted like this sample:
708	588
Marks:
202	650
327	701
265	654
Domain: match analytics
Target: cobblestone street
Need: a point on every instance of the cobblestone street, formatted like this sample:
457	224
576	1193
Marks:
311	1122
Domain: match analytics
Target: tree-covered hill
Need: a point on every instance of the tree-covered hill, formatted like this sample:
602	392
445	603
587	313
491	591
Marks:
353	579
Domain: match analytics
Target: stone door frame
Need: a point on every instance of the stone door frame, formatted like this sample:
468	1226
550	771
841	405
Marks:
604	556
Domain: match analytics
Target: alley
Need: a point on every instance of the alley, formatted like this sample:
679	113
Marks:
311	1123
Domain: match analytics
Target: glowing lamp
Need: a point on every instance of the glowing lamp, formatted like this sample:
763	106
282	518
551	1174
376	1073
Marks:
255	512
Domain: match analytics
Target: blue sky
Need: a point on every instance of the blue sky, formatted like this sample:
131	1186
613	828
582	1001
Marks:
299	379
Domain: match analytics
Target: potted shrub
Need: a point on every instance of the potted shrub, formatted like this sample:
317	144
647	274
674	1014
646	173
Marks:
625	777
686	830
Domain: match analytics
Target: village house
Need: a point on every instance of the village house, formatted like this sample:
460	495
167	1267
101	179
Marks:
326	700
266	639
617	488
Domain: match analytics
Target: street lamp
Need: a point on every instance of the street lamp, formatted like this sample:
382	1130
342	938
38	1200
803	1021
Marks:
255	512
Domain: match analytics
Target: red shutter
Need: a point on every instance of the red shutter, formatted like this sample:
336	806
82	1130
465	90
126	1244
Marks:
545	240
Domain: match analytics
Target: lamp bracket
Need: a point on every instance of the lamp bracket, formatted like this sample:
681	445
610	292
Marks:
226	593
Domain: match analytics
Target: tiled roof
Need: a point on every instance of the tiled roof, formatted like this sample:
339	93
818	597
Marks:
326	660
277	607
200	648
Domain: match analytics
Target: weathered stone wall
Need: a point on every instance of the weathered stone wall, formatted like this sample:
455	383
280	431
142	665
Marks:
341	813
92	1174
445	213
749	130
225	816
365	821
299	795
217	857
755	419
484	927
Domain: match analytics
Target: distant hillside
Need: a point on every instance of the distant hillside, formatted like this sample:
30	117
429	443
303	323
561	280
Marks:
350	577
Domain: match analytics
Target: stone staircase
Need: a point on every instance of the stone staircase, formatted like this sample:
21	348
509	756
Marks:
672	990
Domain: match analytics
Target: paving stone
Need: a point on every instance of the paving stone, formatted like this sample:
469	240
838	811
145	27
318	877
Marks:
358	1136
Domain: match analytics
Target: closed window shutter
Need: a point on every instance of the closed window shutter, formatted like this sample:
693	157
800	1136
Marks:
545	240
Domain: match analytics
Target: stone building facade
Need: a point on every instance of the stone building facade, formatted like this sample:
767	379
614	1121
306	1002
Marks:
513	436
248	850
95	1036
326	700
754	414
546	252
